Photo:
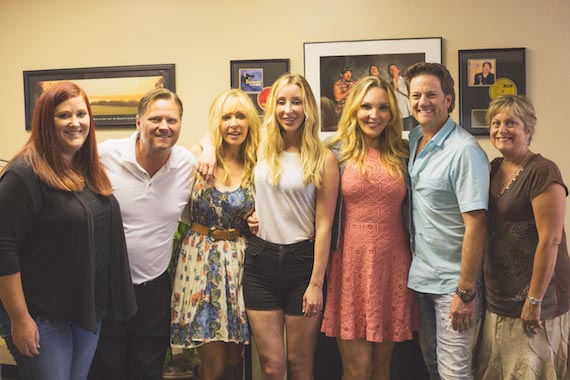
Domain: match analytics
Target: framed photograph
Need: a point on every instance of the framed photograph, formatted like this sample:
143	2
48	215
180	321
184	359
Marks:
331	68
256	76
114	92
485	74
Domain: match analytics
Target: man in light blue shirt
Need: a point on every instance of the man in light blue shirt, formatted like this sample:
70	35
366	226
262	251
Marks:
450	188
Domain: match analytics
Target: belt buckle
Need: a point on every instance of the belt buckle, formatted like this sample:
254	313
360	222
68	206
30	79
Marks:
211	232
232	233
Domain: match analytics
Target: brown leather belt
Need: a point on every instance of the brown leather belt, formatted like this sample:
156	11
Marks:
216	233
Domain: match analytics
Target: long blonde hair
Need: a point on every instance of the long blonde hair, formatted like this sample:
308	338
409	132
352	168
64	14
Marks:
312	151
231	101
393	149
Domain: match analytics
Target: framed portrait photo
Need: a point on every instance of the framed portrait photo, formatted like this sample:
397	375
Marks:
113	92
485	74
256	76
332	67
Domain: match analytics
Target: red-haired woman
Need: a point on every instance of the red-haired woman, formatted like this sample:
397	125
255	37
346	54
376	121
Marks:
63	262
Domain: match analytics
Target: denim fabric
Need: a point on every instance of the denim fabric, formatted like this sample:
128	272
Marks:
276	276
447	353
66	351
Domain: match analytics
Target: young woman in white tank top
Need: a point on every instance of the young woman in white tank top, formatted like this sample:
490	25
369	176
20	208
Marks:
296	181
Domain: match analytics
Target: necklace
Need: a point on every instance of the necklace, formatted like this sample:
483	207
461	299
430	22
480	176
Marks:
513	173
232	165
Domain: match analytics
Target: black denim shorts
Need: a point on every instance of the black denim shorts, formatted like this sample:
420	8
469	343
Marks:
277	275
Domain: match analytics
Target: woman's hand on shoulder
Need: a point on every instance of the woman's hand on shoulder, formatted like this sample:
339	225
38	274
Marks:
206	158
207	164
26	336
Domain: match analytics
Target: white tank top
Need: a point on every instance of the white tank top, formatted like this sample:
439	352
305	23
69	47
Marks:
286	211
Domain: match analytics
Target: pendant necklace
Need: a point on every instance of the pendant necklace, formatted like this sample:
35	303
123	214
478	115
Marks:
513	173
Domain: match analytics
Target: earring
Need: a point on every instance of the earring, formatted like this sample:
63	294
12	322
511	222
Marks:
527	142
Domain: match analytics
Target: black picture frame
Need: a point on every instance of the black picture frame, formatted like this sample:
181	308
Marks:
113	91
506	75
323	61
255	77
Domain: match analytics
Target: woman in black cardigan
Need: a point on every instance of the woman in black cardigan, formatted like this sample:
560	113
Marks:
63	261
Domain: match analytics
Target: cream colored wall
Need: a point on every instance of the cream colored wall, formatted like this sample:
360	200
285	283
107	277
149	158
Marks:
201	37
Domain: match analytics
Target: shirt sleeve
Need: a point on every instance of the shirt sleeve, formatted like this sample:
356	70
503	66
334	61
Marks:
18	215
543	175
470	178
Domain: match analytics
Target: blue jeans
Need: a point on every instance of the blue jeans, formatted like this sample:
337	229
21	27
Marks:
447	353
66	351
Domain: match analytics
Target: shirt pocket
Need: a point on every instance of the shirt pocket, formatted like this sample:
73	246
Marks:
438	192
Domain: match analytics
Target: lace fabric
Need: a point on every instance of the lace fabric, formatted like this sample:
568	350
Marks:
367	294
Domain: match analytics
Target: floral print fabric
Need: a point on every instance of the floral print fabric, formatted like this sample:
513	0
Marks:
207	298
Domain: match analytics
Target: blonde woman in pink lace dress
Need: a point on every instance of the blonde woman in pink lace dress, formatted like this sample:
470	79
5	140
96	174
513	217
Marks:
368	305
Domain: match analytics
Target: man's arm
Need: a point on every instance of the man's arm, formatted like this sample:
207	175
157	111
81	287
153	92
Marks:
462	314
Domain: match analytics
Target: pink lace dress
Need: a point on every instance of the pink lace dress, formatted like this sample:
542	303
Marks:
367	293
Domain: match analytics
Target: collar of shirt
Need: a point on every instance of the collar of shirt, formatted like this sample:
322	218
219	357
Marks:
437	140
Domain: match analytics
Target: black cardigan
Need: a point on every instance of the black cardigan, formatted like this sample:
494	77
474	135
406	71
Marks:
47	236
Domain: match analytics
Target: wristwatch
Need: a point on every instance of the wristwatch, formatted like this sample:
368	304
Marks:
465	295
534	301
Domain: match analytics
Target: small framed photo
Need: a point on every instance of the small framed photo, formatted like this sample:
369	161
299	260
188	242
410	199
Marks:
481	71
256	76
331	68
114	92
485	74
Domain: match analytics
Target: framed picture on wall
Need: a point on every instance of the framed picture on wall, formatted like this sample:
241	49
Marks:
255	77
331	68
485	74
114	92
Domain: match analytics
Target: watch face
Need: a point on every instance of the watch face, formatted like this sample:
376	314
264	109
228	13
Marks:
468	297
465	295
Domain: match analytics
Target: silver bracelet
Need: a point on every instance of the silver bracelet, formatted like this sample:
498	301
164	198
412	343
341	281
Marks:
534	301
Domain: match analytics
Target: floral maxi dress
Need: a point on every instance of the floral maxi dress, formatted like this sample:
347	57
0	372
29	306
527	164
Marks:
207	297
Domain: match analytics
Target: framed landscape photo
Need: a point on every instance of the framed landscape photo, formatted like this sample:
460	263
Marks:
113	92
485	74
331	67
255	77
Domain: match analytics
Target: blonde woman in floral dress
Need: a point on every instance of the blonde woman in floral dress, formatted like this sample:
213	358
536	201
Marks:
208	310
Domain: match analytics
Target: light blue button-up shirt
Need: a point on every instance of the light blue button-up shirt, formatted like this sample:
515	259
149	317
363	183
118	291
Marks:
449	176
